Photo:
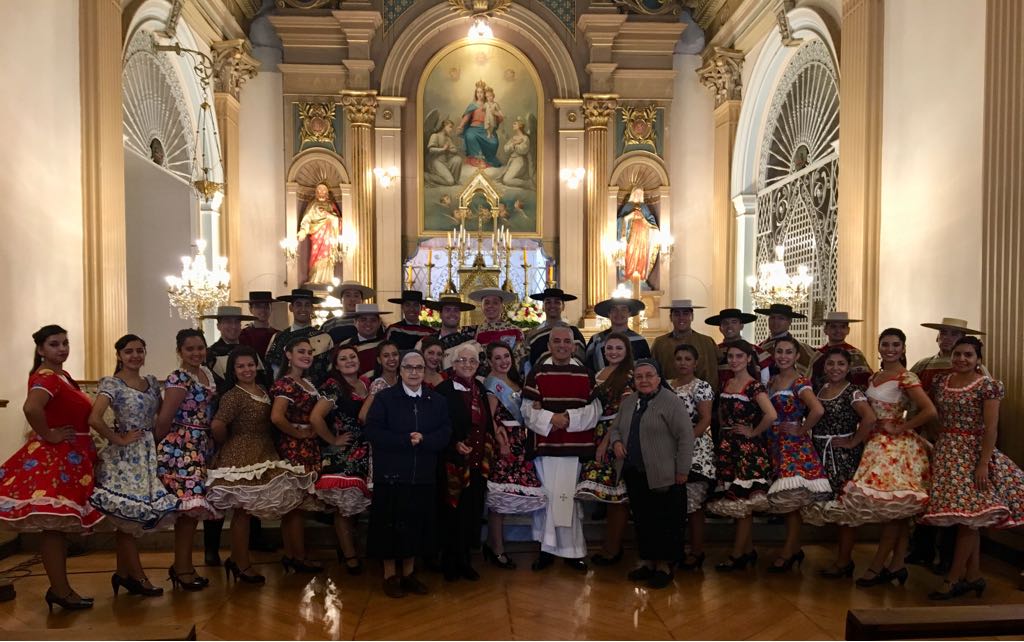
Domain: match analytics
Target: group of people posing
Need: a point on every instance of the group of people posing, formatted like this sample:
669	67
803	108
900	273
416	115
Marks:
426	430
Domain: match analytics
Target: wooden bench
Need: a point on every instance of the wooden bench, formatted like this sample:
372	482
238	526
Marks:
935	622
167	632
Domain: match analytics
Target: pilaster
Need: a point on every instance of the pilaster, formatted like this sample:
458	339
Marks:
361	112
598	114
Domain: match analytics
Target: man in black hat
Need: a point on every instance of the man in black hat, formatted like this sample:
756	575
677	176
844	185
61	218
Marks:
229	325
367	336
619	312
300	304
351	294
664	348
780	318
554	304
730	322
450	307
408	331
258	334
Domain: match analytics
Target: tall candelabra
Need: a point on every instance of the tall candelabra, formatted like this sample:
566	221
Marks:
198	289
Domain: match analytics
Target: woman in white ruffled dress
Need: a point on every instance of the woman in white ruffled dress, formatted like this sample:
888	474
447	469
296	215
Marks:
248	476
698	396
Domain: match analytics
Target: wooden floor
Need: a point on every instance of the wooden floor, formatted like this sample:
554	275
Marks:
554	604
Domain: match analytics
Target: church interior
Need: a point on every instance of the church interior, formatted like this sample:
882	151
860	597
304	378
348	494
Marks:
857	157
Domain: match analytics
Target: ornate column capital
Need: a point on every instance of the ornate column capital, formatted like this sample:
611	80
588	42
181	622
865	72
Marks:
722	73
233	64
598	109
360	107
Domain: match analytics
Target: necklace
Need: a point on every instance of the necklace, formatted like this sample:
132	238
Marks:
262	398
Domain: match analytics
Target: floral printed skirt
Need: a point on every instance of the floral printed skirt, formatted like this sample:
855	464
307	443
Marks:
128	490
342	484
892	480
840	465
181	466
598	480
799	476
956	499
46	486
744	474
702	472
513	486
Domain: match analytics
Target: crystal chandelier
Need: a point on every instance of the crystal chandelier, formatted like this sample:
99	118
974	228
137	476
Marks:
773	284
199	289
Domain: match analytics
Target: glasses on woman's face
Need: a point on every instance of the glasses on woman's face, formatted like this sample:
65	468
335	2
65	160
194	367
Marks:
467	360
411	368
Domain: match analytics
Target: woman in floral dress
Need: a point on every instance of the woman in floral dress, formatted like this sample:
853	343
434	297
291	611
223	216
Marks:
839	439
598	479
891	483
128	490
387	360
513	486
183	427
974	485
345	460
294	397
247	475
45	485
742	466
699	398
799	476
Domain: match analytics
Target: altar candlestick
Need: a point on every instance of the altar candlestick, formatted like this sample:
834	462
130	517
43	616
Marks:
408	276
430	255
551	275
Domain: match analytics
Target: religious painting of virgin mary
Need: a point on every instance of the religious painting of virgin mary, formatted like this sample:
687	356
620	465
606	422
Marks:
480	109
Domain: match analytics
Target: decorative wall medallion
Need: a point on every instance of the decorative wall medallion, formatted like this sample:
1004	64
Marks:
387	114
639	122
317	122
572	117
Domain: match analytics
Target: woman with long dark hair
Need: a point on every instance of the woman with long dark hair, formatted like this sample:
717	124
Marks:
513	486
183	427
892	480
599	478
248	476
48	481
433	355
975	485
343	482
743	465
387	374
128	490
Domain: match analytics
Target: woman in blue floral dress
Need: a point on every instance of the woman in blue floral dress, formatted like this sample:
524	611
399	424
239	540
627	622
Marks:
183	427
128	490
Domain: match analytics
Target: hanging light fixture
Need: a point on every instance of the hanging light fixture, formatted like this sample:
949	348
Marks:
480	29
773	284
199	289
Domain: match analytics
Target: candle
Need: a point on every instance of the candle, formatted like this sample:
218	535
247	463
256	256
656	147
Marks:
524	258
408	275
551	274
430	255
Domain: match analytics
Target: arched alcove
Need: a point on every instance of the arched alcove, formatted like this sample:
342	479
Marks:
308	169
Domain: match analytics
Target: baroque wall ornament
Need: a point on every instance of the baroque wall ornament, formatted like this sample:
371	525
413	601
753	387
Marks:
598	110
306	4
722	73
639	125
317	123
488	8
233	65
651	7
360	108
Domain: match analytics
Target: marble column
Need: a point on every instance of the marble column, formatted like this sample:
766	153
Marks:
860	166
103	212
233	64
598	112
722	75
1002	214
361	110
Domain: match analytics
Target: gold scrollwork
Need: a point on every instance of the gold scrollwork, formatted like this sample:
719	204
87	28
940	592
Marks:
651	7
487	8
317	122
639	125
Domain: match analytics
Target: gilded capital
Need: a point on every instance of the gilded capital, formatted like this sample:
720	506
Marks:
233	64
722	73
360	108
598	110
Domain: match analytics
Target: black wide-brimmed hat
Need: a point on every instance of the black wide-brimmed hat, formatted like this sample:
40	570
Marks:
449	299
782	310
483	293
604	307
731	313
229	312
258	296
553	293
408	296
300	293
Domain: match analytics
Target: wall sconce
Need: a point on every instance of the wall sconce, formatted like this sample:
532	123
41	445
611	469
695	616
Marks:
290	246
664	242
572	177
480	29
386	176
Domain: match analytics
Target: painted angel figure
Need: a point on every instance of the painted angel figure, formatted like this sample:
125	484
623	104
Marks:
519	168
321	223
443	163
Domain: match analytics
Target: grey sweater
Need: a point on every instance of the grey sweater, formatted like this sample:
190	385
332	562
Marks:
666	436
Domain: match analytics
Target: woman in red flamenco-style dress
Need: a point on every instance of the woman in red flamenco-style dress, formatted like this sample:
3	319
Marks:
46	485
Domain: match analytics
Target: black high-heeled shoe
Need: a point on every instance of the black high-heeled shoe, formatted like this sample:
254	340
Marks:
600	559
69	602
232	569
696	564
877	577
737	563
837	571
955	590
134	586
787	563
501	560
195	584
300	566
900	575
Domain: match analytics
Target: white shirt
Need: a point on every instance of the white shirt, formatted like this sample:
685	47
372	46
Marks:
411	392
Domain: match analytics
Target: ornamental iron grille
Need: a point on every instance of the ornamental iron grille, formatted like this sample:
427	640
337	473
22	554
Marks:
797	198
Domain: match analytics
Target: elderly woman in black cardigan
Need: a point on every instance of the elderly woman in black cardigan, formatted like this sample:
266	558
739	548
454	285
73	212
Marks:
653	442
466	462
407	426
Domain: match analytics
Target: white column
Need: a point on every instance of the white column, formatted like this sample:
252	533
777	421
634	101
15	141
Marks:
388	153
746	236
